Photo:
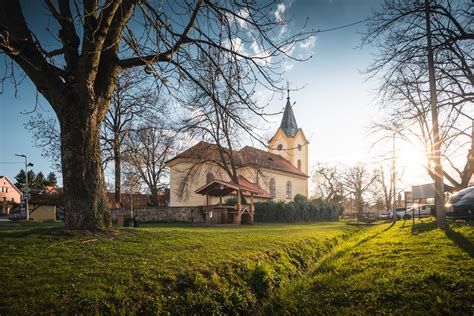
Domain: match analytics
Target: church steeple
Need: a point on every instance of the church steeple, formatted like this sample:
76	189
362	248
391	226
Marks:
290	142
288	122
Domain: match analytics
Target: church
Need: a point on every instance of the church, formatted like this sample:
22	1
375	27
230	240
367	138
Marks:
278	173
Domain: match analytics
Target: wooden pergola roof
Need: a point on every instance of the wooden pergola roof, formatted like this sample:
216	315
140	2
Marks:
223	188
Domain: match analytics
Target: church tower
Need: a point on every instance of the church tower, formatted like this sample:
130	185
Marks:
289	141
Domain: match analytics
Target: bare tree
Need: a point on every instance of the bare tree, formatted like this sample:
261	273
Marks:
357	182
148	148
329	183
133	100
99	40
425	59
221	117
46	137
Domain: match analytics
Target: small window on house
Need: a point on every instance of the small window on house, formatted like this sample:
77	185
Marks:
6	189
272	188
299	164
300	147
280	147
288	190
209	177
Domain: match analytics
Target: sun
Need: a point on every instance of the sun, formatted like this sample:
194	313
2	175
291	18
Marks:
411	157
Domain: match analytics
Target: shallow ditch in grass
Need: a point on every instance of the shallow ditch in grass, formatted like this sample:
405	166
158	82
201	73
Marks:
240	287
402	269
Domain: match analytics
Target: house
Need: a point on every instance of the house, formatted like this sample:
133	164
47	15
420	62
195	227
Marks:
44	206
278	173
9	195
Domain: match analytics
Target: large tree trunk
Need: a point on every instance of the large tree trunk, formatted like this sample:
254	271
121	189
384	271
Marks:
86	205
438	168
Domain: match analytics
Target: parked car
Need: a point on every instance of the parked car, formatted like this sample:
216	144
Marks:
422	210
388	214
461	204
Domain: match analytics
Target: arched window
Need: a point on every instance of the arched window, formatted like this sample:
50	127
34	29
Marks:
299	164
209	177
289	195
300	147
280	147
272	188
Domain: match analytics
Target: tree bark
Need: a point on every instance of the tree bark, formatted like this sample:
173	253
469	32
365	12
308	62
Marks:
86	205
155	197
118	171
438	168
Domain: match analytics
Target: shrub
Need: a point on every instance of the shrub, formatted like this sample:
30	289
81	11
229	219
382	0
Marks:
301	210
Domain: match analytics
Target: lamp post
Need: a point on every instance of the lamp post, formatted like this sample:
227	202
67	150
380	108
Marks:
26	189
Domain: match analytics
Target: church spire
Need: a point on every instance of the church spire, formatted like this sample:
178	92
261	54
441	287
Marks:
288	122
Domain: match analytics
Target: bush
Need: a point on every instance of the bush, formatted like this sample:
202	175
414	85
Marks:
300	210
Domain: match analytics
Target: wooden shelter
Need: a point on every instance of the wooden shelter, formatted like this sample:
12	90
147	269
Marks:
228	214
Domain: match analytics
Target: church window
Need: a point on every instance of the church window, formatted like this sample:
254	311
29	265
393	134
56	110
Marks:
288	190
272	188
209	177
299	164
300	147
280	147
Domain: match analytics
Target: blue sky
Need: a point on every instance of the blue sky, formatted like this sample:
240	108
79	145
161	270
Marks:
334	108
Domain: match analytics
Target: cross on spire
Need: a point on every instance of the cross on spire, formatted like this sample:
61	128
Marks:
288	121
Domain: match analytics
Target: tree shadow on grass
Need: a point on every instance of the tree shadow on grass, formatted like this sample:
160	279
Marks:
332	256
24	232
423	227
460	241
58	232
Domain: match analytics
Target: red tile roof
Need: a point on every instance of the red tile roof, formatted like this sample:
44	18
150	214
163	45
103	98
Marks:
247	156
227	188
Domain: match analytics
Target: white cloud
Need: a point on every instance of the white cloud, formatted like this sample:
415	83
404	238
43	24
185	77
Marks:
287	66
289	49
258	52
236	45
279	12
242	16
308	43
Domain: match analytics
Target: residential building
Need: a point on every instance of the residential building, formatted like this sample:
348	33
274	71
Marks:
9	194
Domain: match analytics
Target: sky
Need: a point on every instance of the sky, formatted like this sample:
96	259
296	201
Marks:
334	106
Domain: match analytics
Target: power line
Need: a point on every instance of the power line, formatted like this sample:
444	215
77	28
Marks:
343	26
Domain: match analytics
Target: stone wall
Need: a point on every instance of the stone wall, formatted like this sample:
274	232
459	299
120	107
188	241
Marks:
163	214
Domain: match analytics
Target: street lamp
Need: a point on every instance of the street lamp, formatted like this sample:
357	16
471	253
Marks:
26	189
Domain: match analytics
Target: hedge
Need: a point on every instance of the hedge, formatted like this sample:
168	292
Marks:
299	210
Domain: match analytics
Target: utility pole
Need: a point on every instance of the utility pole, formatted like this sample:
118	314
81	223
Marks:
394	181
472	149
132	223
26	189
438	169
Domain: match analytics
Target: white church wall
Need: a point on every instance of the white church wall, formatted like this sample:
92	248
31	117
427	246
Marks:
179	170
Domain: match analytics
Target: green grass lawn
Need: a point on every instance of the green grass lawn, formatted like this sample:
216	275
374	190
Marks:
154	268
402	270
324	268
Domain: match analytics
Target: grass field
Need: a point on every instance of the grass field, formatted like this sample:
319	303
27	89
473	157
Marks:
173	268
401	270
324	268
